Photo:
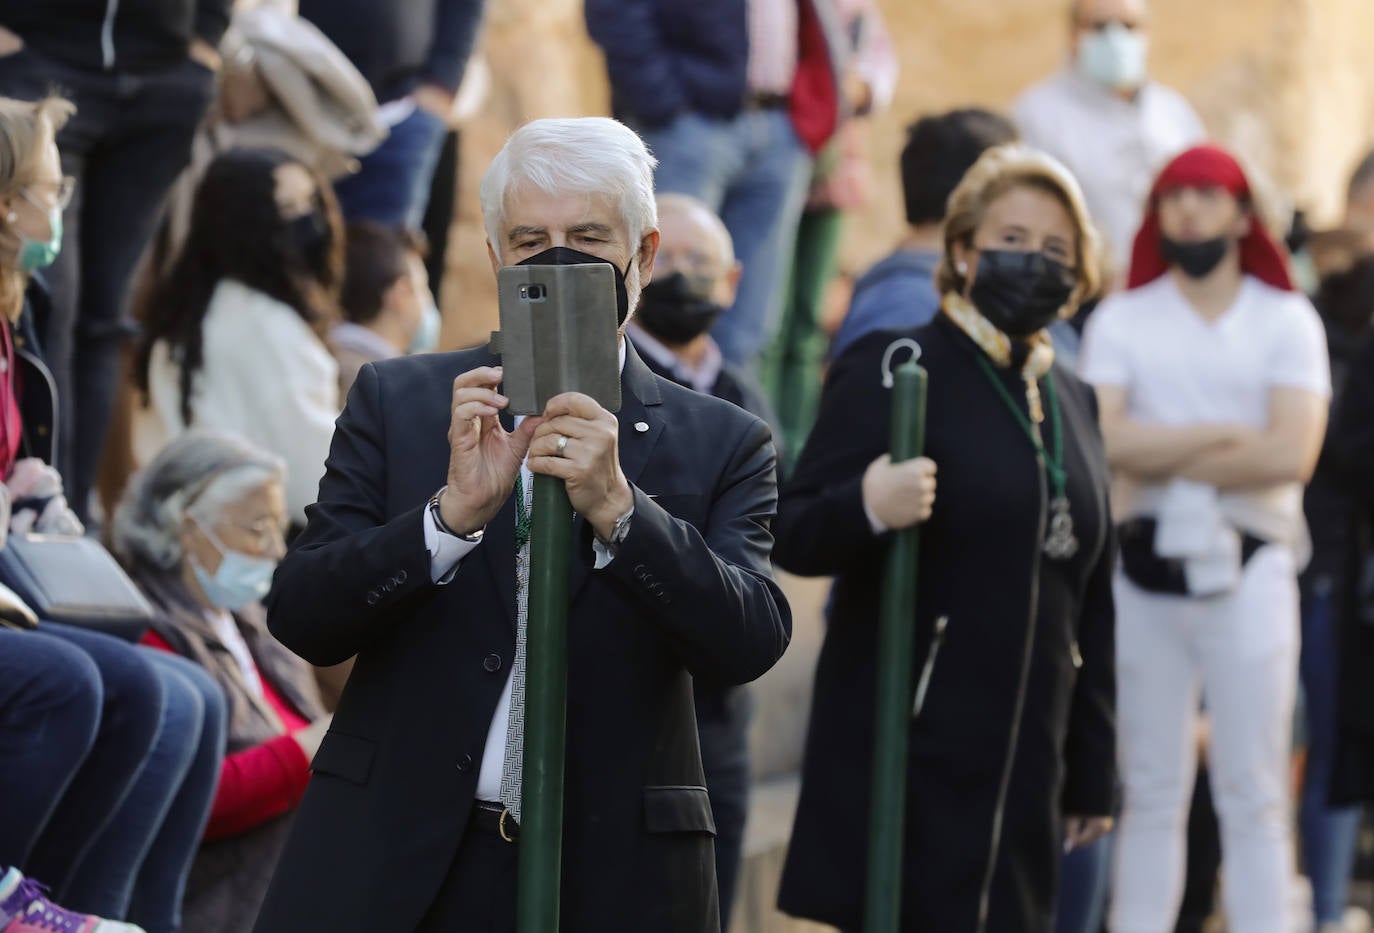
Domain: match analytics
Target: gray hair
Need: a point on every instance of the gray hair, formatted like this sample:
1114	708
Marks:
699	209
585	156
199	474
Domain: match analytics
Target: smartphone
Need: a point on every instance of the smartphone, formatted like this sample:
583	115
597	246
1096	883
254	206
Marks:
558	334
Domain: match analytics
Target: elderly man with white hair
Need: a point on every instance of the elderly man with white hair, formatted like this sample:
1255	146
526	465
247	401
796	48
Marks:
414	560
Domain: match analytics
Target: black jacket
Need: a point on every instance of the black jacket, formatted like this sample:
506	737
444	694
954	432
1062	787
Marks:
37	388
116	35
1348	463
1021	629
397	44
689	592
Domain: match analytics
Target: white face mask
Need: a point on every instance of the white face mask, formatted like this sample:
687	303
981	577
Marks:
1113	57
426	339
241	579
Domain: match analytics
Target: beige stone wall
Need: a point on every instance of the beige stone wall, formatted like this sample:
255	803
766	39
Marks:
1288	82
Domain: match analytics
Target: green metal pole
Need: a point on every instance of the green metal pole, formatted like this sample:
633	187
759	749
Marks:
887	817
546	688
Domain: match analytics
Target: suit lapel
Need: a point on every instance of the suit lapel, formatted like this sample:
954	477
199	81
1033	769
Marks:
639	400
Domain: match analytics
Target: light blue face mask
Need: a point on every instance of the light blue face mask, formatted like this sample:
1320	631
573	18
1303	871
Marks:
39	254
426	339
1113	57
241	579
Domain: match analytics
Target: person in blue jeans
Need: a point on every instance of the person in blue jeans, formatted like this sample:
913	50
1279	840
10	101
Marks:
102	769
413	53
733	98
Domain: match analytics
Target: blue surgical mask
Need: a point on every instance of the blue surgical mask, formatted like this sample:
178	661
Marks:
426	339
241	579
39	254
1113	57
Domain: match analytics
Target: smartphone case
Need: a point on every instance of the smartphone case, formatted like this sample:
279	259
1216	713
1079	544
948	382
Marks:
558	334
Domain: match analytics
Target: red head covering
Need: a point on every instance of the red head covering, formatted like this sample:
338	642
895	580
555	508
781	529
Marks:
1206	167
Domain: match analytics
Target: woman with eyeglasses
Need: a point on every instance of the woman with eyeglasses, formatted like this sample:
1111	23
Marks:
200	531
234	333
1011	741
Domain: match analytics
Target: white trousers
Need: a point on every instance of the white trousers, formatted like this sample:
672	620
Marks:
1239	654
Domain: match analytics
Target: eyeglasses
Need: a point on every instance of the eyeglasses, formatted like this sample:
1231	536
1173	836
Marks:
64	188
1102	25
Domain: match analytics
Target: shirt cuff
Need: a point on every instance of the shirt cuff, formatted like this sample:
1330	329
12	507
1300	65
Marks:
874	522
602	553
446	551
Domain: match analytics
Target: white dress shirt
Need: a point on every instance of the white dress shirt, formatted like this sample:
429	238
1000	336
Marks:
446	552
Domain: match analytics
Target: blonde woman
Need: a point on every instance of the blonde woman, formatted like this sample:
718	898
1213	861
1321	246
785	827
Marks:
1012	741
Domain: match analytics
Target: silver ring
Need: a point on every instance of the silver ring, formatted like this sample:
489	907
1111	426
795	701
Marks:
562	444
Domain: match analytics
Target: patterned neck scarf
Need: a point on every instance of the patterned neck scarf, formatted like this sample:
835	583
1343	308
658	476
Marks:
998	347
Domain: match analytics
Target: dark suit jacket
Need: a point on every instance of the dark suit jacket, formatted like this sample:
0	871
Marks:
689	592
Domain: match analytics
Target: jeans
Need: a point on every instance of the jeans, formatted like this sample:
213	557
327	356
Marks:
144	856
129	140
391	186
1239	651
50	699
1329	834
1083	877
754	172
132	702
723	716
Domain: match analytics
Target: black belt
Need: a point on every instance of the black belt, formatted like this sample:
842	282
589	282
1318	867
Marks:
766	100
491	817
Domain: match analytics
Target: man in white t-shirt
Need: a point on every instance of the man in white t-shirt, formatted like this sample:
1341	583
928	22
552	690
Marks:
1213	385
1102	117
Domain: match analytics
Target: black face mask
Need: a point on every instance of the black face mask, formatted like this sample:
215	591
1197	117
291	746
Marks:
1196	258
1020	293
563	256
309	235
677	309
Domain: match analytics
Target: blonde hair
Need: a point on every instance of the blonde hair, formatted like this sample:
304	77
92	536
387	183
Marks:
1003	169
25	127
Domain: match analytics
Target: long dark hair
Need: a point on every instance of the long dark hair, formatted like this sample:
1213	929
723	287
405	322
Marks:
237	232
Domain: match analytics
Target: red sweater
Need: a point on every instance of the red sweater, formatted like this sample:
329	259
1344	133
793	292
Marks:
259	783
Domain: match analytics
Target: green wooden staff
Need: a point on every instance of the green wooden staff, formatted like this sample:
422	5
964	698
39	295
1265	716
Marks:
883	897
546	688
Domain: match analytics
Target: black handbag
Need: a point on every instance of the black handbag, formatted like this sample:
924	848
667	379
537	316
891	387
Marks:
1155	574
73	580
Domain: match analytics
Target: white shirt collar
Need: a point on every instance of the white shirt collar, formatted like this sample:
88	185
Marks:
702	377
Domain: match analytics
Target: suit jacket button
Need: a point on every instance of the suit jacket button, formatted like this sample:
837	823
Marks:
400	577
373	598
465	764
491	663
388	586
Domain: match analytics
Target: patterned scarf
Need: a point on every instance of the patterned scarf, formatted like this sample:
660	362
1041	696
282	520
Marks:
998	347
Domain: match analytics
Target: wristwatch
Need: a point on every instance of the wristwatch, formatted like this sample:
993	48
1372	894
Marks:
437	513
620	529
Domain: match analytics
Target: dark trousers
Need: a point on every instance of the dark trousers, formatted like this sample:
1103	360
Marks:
723	726
130	138
58	802
478	896
391	186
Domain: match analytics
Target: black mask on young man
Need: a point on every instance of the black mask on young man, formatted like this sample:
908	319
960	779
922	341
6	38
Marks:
677	309
1020	293
565	256
1197	258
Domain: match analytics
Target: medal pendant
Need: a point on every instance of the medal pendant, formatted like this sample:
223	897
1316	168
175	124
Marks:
1060	543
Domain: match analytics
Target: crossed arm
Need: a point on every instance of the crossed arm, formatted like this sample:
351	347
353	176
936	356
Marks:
1227	456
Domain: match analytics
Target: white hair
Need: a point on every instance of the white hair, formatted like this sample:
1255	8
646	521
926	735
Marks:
702	213
200	474
586	156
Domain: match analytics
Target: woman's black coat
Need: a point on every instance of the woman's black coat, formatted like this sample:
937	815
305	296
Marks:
981	568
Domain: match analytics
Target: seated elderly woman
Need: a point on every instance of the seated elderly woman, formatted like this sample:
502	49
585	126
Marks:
201	530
